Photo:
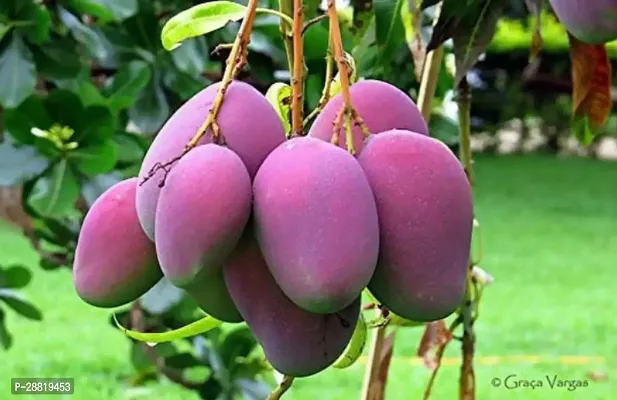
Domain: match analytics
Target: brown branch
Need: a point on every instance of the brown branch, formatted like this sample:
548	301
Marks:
344	73
234	63
467	387
298	69
374	356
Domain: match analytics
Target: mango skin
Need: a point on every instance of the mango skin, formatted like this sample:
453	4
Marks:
425	209
202	210
381	105
296	342
249	124
316	223
212	296
115	263
590	21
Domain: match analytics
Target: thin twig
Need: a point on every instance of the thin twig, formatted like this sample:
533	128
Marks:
325	95
286	7
372	365
430	74
438	357
298	70
467	385
313	21
283	387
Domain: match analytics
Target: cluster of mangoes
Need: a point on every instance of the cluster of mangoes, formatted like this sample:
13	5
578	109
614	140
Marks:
287	234
590	21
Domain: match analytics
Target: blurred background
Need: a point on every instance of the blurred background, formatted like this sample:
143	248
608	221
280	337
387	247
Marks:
94	78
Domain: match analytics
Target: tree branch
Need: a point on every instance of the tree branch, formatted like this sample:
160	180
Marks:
297	81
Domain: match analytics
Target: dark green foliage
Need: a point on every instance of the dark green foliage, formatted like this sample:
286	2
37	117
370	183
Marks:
13	278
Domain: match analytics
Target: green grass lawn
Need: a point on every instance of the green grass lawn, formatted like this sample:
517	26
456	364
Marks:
550	237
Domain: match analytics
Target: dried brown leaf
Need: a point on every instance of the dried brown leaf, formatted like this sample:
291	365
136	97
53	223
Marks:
591	88
436	334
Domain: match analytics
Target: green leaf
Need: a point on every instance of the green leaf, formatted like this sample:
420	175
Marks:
238	342
279	97
472	37
57	59
106	10
91	7
182	361
15	277
199	20
97	185
96	125
129	147
54	231
89	94
252	389
19	163
38	31
6	340
121	9
55	192
183	84
151	109
31	113
15	301
162	297
144	29
389	30
127	83
582	130
362	17
443	127
65	108
92	41
140	360
95	159
4	29
192	56
201	326
17	72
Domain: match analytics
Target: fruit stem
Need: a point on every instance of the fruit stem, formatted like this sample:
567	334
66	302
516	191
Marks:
372	366
342	66
464	112
283	387
325	95
430	75
467	375
298	70
286	7
234	63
